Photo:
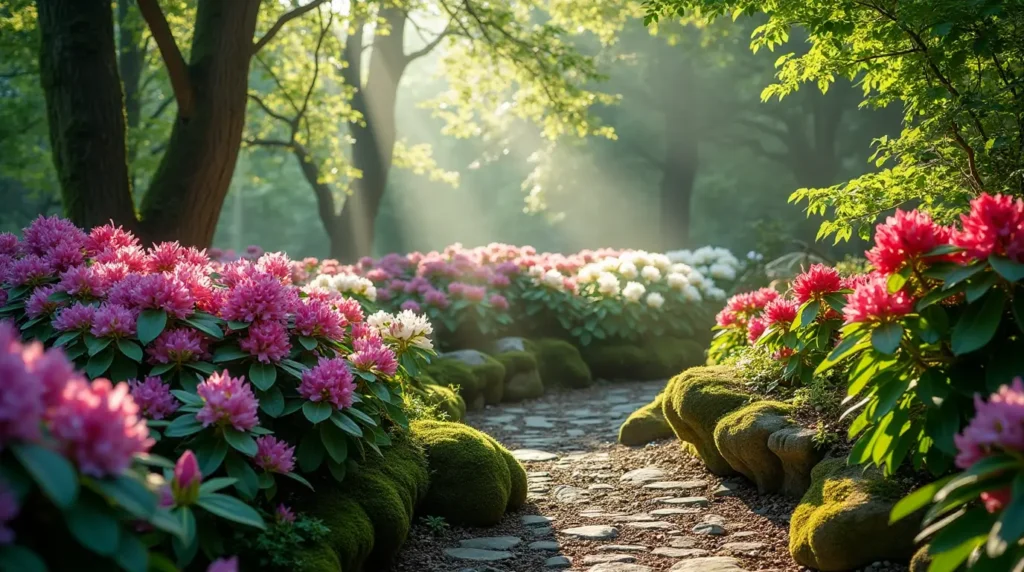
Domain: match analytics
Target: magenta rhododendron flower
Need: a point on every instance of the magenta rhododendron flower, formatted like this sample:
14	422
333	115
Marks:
153	397
9	509
164	292
818	281
284	514
224	565
780	311
373	356
227	401
755	327
21	395
904	239
187	479
276	264
266	341
436	298
998	426
109	238
726	318
319	319
98	426
164	257
179	346
89	281
51	369
995	225
328	381
77	318
498	301
9	244
351	309
65	255
31	270
872	302
274	455
261	297
46	233
410	305
113	321
39	303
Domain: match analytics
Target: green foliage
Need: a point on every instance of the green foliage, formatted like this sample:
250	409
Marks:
645	425
437	525
954	67
280	545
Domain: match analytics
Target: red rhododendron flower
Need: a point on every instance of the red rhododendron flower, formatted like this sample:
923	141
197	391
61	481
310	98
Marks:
755	328
904	238
780	311
819	281
871	301
995	225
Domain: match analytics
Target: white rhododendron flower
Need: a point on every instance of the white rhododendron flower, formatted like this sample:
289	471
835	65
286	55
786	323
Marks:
651	273
691	294
346	284
677	280
633	291
715	293
655	300
587	274
720	271
628	270
553	279
535	271
406	327
608	284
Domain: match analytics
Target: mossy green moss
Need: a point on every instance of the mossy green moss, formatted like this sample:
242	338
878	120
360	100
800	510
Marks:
517	475
522	378
841	506
470	481
560	363
446	400
369	514
446	371
658	358
645	425
742	439
921	560
490	377
694	402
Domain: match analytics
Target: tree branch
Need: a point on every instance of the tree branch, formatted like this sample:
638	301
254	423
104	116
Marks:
284	19
429	47
176	67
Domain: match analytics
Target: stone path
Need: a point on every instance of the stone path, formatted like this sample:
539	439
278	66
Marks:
597	506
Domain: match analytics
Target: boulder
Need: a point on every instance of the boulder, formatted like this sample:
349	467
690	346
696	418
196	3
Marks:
796	449
560	363
522	378
742	439
510	344
842	521
444	399
645	425
693	403
447	371
489	373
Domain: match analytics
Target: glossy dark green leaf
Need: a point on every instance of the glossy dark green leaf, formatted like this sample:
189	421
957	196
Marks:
240	441
14	557
917	500
99	363
1008	269
886	337
232	509
94	526
51	471
334	442
978	323
149	325
130	493
262	375
317	411
272	402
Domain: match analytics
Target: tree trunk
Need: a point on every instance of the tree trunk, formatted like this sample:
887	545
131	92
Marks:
130	61
682	157
188	189
373	150
78	70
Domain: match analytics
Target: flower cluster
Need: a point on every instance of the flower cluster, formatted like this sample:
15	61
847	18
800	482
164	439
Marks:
997	426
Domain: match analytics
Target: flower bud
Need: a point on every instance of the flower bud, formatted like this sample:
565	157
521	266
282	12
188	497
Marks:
187	478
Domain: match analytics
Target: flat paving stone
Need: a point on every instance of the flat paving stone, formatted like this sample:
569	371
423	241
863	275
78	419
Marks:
516	410
534	519
676	485
708	564
743	548
622	548
570	495
669	552
491	542
478	554
683	542
620	567
602	558
544	545
708	528
538	422
500	419
636	518
541	530
673	511
528	455
652	525
556	562
686	501
601	487
726	489
713	519
592	532
644	475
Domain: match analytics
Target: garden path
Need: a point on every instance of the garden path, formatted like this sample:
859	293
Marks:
598	506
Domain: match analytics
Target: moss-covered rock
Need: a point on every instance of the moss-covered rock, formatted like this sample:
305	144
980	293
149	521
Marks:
742	439
470	481
796	449
445	399
453	372
560	363
522	378
489	373
842	521
369	514
695	400
517	475
921	560
673	355
645	425
658	358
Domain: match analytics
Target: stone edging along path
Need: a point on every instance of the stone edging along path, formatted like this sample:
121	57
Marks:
601	507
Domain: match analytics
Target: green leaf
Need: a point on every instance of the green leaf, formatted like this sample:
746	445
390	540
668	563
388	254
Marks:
237	326
380	389
150	325
130	349
96	345
262	375
92	524
51	471
397	415
334	441
845	347
978	323
916	500
895	282
317	411
960	273
247	482
130	493
310	453
99	363
360	417
214	485
299	479
65	338
1009	269
950	560
272	402
240	441
210	453
979	471
346	424
132	554
228	353
1009	529
1018	309
231	509
183	426
209	328
187	397
807	313
979	285
161	368
308	342
886	337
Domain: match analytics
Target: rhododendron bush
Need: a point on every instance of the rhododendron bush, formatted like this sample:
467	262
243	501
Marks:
935	325
256	378
500	289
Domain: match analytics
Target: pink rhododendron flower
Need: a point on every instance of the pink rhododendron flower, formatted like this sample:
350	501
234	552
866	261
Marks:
871	301
164	257
410	305
113	321
783	353
266	341
726	318
39	303
9	509
373	356
164	292
436	298
351	309
178	345
227	401
9	244
284	514
498	301
274	455
46	233
328	381
187	479
224	564
319	319
153	397
109	238
998	426
87	281
98	426
904	239
780	311
52	370
261	297
755	327
997	500
816	282
65	255
77	318
276	264
21	395
995	225
31	270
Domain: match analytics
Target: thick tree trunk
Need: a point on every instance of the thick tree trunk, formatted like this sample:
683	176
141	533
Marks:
130	60
184	200
372	153
682	157
84	106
